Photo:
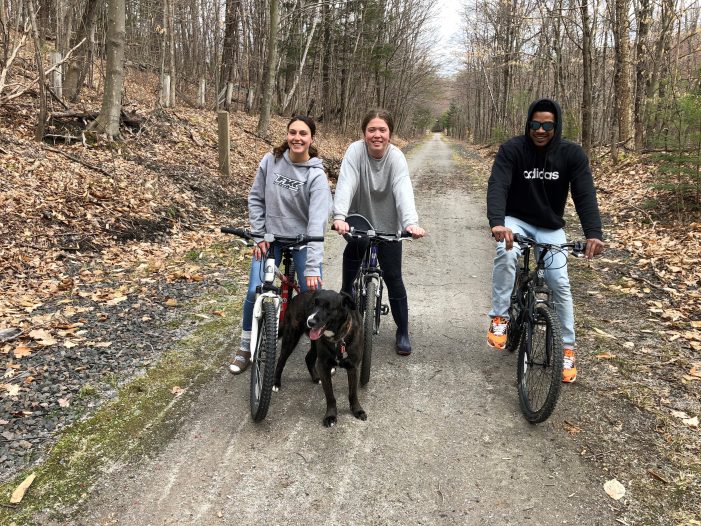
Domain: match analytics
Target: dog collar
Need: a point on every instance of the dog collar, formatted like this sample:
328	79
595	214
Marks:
341	342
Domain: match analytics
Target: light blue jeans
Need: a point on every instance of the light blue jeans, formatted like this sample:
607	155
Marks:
504	274
257	274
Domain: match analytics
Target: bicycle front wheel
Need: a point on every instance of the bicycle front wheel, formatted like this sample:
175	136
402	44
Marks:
368	330
540	365
263	365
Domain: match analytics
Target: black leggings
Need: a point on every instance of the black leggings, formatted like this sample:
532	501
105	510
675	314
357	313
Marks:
389	256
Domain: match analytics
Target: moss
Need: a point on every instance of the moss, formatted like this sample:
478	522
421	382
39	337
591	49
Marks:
143	417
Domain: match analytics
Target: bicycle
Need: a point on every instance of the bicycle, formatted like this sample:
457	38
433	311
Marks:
368	284
269	311
534	329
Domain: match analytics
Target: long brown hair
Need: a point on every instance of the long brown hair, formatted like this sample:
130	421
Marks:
313	152
378	113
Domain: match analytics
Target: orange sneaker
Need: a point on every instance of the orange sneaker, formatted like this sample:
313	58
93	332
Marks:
496	336
569	371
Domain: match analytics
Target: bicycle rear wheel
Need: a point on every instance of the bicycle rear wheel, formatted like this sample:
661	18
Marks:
263	365
368	330
540	365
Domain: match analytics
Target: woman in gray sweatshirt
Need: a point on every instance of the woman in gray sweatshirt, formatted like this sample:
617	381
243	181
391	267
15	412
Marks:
290	196
374	182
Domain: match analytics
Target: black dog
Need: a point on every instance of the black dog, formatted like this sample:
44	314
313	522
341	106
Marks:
333	325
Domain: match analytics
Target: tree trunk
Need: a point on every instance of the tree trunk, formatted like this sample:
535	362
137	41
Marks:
586	78
642	71
298	73
41	123
108	120
622	75
77	67
269	78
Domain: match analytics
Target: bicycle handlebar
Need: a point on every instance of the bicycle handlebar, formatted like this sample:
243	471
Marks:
253	236
397	236
576	246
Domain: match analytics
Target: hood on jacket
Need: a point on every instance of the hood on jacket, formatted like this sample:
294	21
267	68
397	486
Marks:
558	120
312	162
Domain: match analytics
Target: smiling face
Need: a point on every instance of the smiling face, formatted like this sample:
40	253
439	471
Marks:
299	138
377	137
540	137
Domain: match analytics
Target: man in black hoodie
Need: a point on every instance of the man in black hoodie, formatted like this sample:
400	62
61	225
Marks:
531	177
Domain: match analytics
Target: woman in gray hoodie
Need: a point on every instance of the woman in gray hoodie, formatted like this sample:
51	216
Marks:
290	196
374	182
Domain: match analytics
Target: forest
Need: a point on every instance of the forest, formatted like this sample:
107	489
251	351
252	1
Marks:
109	170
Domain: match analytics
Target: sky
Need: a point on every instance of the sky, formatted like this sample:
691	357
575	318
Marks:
448	22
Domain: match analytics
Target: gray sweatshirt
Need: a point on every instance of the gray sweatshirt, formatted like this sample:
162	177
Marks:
379	189
289	199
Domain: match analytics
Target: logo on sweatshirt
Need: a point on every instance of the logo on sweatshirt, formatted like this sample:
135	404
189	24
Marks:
286	182
537	173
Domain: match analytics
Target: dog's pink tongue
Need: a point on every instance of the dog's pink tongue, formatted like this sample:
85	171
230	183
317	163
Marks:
315	334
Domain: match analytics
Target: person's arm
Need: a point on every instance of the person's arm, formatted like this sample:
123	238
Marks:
584	198
347	185
256	199
256	207
497	192
319	210
403	192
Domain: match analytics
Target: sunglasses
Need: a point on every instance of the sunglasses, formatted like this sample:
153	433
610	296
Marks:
547	126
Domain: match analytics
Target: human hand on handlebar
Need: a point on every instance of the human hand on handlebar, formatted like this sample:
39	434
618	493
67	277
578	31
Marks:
594	248
502	233
340	226
416	231
314	282
260	249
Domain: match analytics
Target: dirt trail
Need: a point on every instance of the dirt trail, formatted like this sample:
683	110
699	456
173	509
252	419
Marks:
444	442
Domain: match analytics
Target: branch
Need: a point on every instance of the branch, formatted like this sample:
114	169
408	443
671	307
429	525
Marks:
12	56
24	90
80	161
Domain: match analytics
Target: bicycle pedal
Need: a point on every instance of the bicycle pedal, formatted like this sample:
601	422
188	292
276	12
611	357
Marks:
384	309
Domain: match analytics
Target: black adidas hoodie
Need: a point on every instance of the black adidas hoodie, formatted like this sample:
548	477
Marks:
532	183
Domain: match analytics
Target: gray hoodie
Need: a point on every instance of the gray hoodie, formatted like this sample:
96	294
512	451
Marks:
379	189
289	199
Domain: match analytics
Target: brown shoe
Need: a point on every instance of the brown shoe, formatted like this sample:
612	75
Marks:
242	360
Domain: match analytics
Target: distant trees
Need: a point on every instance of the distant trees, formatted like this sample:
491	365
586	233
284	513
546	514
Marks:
620	69
332	59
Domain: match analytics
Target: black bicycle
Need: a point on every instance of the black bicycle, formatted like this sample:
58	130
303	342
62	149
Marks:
534	329
269	311
368	286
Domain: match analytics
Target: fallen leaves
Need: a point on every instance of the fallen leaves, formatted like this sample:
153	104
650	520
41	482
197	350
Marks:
20	490
43	337
614	489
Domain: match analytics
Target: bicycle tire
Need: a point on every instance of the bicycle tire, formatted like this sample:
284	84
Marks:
263	365
368	331
539	370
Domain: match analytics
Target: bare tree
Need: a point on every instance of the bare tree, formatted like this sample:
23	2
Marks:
107	121
269	78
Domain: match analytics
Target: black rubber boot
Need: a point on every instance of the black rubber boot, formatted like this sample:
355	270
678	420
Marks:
400	313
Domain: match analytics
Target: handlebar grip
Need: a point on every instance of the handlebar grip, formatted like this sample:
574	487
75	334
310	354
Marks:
236	231
313	239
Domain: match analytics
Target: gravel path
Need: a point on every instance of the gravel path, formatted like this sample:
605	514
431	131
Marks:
444	442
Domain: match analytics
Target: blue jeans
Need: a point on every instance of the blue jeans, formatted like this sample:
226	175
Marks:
504	274
256	276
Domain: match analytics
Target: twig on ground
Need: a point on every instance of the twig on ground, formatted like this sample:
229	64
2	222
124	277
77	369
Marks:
80	161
